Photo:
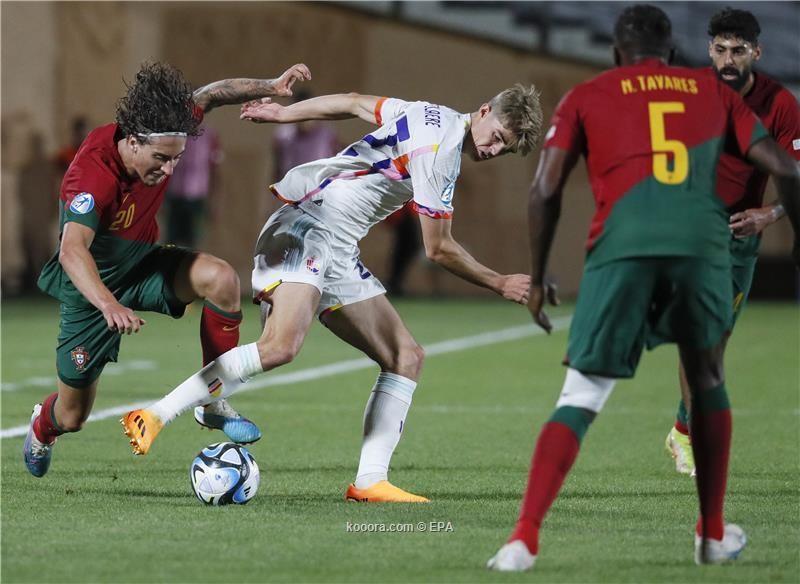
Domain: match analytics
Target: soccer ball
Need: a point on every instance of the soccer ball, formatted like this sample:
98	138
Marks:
224	473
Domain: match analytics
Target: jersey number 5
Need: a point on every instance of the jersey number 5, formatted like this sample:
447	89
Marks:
661	146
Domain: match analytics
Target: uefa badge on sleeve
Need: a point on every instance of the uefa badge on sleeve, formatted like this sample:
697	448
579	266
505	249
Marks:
82	203
80	357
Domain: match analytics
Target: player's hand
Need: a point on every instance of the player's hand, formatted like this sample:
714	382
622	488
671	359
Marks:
122	319
551	292
282	86
538	293
751	222
515	287
261	111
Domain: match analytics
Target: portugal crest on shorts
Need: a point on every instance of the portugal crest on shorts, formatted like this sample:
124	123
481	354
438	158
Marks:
311	265
80	357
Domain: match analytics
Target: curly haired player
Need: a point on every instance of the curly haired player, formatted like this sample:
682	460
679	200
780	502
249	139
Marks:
108	265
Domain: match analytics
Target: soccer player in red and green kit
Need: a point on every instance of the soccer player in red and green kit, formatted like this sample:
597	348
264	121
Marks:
734	49
108	265
658	258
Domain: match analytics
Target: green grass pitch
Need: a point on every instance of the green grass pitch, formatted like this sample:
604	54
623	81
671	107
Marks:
103	515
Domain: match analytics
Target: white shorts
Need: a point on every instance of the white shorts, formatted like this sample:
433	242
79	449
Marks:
295	247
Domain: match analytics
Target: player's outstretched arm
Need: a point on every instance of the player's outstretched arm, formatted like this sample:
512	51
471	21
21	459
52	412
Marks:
441	248
81	268
236	91
340	106
544	209
769	157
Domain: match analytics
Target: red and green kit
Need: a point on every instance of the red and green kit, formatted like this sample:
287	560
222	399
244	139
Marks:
653	136
658	264
97	192
740	184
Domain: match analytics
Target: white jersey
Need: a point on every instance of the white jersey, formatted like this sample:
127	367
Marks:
415	155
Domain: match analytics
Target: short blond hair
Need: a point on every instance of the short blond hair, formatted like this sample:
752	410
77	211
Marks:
520	111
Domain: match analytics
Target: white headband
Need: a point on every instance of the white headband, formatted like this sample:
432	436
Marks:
160	134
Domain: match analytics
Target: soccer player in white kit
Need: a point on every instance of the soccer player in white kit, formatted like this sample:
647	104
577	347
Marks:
307	258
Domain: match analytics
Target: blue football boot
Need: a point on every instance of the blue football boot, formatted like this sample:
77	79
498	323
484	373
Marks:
219	415
36	454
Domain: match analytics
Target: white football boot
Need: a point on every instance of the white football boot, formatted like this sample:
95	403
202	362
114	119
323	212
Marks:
714	551
512	557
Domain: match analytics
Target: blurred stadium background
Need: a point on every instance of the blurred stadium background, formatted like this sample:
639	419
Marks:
64	59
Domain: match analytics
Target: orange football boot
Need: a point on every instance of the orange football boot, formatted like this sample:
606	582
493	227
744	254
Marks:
382	492
141	427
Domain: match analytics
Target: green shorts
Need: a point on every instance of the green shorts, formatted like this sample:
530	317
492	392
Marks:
744	254
628	304
85	343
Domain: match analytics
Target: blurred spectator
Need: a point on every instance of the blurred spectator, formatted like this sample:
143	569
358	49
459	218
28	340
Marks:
191	188
405	247
38	209
78	130
296	144
16	131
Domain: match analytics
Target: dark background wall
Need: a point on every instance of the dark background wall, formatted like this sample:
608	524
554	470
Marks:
63	59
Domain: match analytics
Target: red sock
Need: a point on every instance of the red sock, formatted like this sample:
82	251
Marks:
711	442
681	427
555	452
219	331
44	426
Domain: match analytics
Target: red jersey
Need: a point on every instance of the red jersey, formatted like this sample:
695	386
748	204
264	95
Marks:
740	184
97	192
652	136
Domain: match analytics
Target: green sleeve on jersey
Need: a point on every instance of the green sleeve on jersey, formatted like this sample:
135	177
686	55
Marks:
90	218
759	133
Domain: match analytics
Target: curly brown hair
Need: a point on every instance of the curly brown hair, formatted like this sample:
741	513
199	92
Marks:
158	100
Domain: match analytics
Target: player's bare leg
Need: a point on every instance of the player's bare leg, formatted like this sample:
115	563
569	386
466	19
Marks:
374	327
294	306
208	277
715	542
59	413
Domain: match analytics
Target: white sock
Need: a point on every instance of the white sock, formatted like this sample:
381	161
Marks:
217	380
384	418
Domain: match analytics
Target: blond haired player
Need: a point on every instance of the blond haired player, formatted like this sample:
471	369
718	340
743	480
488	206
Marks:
307	258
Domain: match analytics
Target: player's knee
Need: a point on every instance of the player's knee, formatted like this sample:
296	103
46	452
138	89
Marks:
219	282
407	360
586	392
275	353
703	368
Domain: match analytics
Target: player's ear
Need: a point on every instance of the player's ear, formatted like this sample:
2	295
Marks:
756	53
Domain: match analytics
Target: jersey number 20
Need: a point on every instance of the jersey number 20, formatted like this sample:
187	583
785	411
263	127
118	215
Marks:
661	146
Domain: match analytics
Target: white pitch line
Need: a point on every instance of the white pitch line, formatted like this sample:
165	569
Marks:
312	373
111	369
